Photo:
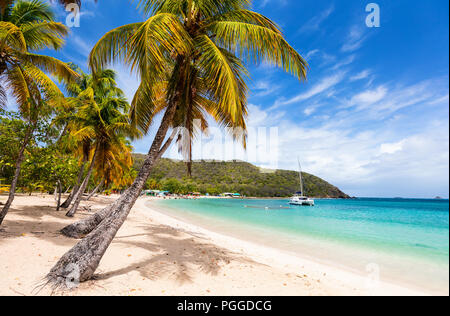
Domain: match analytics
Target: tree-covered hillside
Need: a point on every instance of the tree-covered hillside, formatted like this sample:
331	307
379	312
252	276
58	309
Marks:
233	176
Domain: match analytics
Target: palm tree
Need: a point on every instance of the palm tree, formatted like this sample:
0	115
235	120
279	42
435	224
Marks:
63	120
204	44
25	27
114	161
114	166
100	121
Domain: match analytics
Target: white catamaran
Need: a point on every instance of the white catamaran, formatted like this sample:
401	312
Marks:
299	198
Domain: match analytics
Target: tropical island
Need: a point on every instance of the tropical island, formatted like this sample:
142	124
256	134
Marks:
214	178
75	218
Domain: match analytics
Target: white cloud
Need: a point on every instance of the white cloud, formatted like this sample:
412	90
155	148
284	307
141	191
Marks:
314	23
346	61
264	87
440	100
361	75
354	39
401	98
83	48
325	84
366	164
391	148
309	110
264	3
367	150
370	96
310	54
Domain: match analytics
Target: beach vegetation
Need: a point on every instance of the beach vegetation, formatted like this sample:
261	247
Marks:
25	28
100	125
190	57
216	177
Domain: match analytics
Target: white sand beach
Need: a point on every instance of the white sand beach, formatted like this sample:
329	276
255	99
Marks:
154	254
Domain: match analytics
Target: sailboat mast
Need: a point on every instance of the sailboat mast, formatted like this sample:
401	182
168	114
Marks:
300	175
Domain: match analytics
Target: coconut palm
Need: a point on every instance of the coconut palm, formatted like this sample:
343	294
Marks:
67	112
114	161
204	44
101	121
113	166
26	27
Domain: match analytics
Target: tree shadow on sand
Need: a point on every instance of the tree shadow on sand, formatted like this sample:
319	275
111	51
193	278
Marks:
174	256
43	220
45	230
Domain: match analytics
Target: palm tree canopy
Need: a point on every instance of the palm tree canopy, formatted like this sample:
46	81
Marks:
215	39
99	118
205	45
26	27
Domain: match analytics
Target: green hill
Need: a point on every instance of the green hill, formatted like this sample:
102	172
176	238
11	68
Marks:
233	176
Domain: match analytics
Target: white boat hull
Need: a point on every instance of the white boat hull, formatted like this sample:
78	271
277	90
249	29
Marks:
301	201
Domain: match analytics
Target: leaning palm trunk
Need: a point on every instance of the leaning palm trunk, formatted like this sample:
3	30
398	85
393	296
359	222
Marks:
83	186
94	191
82	260
58	200
20	158
67	202
84	226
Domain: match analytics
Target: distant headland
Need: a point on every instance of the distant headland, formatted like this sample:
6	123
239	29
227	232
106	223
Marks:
215	177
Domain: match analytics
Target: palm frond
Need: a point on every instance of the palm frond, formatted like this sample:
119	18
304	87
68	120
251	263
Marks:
260	44
208	8
50	90
19	85
113	46
148	101
217	68
244	16
12	36
24	12
54	66
45	34
141	45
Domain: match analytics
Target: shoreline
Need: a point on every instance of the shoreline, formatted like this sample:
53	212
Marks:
155	254
287	260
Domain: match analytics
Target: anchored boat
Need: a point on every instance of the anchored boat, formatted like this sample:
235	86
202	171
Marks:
299	198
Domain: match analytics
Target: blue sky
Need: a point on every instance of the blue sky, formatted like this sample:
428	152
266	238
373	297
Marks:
372	117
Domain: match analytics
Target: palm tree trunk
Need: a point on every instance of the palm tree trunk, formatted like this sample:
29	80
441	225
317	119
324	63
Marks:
95	190
84	226
79	194
58	204
72	194
82	260
20	158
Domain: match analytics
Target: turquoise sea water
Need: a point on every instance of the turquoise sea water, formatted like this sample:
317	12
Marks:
408	239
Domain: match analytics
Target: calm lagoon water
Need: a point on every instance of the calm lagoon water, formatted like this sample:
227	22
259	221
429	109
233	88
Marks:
407	238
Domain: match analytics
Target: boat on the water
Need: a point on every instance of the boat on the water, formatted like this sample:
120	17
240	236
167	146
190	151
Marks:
299	198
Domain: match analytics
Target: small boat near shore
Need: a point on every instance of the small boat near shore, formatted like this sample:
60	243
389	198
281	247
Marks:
299	198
